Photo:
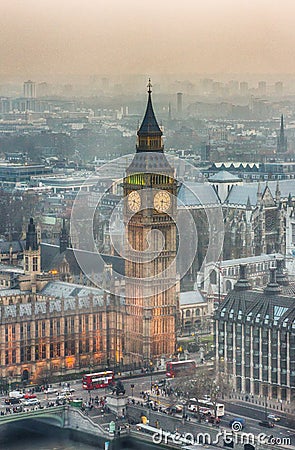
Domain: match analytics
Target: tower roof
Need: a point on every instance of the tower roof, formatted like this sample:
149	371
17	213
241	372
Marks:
149	126
31	236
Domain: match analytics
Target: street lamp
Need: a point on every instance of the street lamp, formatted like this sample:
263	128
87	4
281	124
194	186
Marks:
151	373
183	413
149	406
132	387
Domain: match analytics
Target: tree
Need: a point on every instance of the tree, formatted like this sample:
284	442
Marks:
217	386
193	386
44	377
200	384
213	392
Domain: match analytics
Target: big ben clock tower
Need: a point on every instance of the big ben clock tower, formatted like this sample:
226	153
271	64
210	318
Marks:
150	267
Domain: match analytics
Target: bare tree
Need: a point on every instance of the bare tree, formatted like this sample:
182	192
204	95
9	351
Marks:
200	384
44	377
193	386
217	386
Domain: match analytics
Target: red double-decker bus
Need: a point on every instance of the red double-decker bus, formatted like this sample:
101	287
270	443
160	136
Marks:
97	380
180	368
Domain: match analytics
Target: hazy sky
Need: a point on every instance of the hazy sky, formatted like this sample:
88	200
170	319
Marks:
41	38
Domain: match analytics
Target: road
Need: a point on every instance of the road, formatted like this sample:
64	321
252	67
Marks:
257	412
251	413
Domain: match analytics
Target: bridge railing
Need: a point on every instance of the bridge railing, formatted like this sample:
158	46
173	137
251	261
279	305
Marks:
75	419
22	415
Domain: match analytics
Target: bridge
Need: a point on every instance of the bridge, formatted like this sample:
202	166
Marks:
60	416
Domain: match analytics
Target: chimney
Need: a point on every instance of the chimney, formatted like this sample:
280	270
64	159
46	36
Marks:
242	284
272	287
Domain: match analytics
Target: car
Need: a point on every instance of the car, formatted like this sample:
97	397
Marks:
12	401
31	402
237	423
266	424
274	417
50	390
213	419
61	400
160	383
67	390
64	396
175	409
28	395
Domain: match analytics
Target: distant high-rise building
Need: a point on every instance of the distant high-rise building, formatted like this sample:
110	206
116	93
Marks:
105	83
29	89
217	88
179	103
279	88
244	88
42	89
5	105
233	87
282	139
262	87
206	85
169	111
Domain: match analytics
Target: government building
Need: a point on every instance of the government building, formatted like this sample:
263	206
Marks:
53	322
255	337
50	327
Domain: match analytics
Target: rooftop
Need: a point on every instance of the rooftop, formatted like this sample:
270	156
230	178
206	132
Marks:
224	177
190	298
196	194
60	289
248	260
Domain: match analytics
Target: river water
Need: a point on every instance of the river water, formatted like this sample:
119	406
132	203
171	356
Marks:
28	437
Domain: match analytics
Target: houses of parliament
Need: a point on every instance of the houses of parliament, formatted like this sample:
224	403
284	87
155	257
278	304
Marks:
51	325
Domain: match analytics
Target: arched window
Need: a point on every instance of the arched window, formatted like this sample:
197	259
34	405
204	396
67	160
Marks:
213	277
228	286
187	313
197	312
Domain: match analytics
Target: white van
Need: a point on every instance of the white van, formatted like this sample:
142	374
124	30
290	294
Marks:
15	394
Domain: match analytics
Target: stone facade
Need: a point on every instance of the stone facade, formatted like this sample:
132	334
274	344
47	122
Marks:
255	339
44	335
151	304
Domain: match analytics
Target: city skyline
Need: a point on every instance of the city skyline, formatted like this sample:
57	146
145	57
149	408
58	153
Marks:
51	39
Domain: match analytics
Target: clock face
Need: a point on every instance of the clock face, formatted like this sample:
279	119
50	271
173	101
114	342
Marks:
162	201
134	201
